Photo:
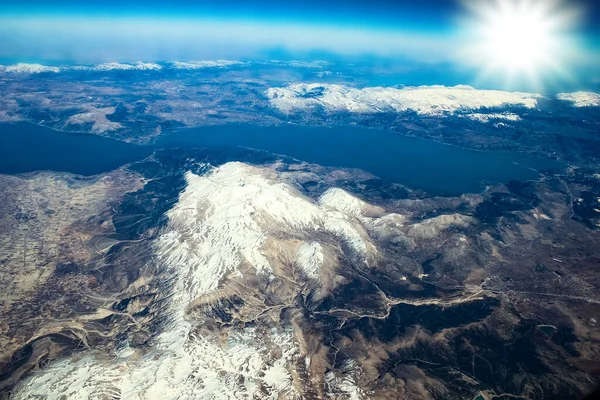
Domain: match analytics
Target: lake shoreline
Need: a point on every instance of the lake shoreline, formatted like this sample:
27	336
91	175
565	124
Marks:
436	168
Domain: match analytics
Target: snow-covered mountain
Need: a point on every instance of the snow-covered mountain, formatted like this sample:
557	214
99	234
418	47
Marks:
233	232
581	99
25	68
112	66
242	244
191	65
424	100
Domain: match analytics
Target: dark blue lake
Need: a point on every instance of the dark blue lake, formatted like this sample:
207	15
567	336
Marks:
422	164
26	147
417	163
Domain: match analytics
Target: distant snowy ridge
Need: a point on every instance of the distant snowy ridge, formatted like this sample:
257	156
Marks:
424	100
581	99
30	68
296	64
26	68
203	64
140	66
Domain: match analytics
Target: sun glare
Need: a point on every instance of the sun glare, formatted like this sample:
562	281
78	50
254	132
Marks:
519	39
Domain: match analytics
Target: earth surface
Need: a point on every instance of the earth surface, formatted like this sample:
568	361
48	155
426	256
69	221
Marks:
294	230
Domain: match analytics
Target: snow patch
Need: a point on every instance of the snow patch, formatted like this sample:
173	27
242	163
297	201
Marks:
341	200
485	118
310	257
97	117
344	385
323	74
181	366
432	227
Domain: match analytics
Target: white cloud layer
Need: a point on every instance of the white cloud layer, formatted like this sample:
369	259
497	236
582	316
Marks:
424	100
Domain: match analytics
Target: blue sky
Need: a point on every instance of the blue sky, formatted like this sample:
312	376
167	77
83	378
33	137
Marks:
419	15
422	14
422	33
430	12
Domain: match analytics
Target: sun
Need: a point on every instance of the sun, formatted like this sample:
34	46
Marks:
518	36
519	39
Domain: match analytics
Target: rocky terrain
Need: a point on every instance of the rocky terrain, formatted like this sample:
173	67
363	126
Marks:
52	230
236	274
